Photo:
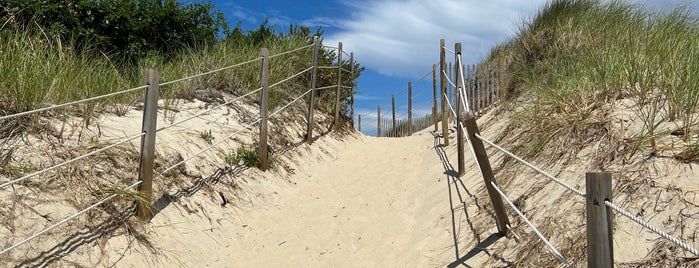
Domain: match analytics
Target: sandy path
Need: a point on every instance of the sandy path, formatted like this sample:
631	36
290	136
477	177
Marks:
360	210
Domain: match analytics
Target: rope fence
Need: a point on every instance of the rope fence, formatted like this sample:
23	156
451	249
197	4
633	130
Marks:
149	132
599	224
71	103
531	225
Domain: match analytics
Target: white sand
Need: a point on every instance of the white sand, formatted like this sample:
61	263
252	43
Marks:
362	202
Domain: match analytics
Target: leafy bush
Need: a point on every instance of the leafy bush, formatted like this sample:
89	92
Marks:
129	29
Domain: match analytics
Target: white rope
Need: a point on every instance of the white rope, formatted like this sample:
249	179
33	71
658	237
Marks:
291	51
290	77
210	72
462	92
71	103
345	70
288	104
447	77
71	161
524	218
652	228
206	111
449	104
330	47
460	125
567	186
66	219
448	50
345	52
327	67
246	127
326	87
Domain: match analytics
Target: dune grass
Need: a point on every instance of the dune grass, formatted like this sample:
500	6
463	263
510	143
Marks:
38	70
576	56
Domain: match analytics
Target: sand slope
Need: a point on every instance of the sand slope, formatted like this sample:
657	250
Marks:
377	202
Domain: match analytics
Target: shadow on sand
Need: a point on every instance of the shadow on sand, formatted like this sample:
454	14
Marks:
118	219
455	184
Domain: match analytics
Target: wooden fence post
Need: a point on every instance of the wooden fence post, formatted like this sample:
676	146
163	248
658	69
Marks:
359	122
443	92
600	249
378	120
393	108
450	89
410	108
469	88
487	171
314	75
502	87
264	82
339	86
459	124
351	62
434	94
145	167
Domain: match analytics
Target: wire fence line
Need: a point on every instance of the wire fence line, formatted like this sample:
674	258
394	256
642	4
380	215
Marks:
465	105
71	103
25	177
59	223
654	229
533	167
210	72
291	77
151	84
207	148
290	103
374	119
196	115
531	225
291	51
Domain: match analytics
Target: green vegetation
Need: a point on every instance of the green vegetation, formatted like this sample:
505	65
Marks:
128	29
245	157
578	56
53	52
206	136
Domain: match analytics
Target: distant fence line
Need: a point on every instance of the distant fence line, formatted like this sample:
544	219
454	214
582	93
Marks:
482	88
148	133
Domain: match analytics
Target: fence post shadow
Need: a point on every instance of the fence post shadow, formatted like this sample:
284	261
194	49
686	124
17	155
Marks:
106	228
453	178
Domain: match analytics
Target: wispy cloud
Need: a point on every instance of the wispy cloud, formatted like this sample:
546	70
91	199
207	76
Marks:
401	37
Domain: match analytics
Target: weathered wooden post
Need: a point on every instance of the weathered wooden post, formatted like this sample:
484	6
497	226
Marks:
450	89
314	75
443	92
487	171
378	120
502	86
393	108
434	95
339	86
410	109
600	249
469	88
149	124
351	62
264	98
459	124
359	122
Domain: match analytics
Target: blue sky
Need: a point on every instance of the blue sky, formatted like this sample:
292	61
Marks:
397	40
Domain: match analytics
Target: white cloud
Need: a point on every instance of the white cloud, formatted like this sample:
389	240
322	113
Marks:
401	37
